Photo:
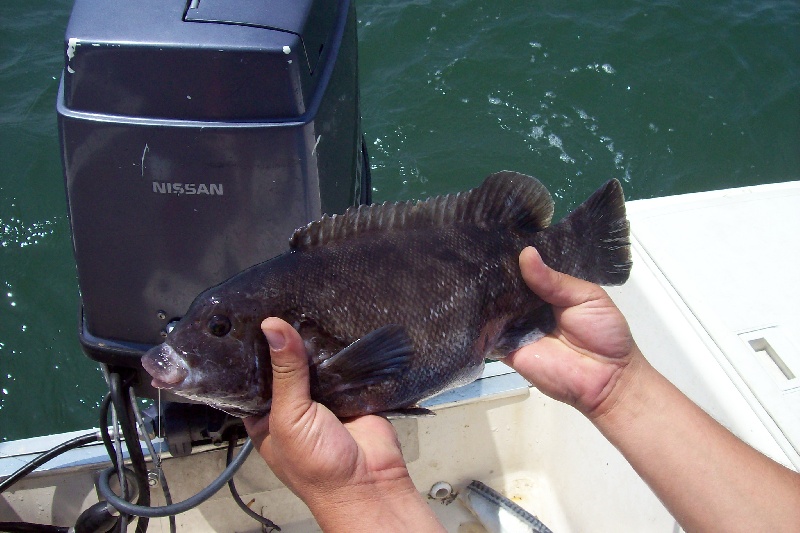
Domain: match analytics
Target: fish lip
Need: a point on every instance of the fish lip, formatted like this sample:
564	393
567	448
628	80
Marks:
166	367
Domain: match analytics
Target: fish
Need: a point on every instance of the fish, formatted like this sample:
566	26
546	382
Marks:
395	302
497	513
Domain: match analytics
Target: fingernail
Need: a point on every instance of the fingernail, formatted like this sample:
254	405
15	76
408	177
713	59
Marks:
275	339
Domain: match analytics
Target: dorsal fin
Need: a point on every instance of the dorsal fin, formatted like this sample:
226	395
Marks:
504	199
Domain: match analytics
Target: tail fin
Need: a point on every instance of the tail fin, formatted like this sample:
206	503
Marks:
592	242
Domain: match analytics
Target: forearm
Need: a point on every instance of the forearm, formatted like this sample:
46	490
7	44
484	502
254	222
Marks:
706	477
395	506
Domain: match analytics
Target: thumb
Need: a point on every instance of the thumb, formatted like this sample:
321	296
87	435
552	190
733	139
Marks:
291	395
561	290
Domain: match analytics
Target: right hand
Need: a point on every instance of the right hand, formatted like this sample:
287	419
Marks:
305	445
351	474
582	361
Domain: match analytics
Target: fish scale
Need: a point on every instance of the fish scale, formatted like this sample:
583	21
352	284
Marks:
395	302
389	301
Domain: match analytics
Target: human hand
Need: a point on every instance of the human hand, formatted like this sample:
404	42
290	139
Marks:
342	471
584	359
700	471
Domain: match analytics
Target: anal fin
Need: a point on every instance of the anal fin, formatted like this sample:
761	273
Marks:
407	412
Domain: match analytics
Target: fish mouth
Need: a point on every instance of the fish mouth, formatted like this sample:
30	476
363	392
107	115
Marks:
165	366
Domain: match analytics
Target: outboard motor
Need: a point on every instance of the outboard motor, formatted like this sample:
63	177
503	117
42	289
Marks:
196	136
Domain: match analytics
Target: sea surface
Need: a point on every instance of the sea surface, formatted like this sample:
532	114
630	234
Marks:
667	96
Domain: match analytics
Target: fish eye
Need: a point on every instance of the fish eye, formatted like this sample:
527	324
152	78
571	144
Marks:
219	325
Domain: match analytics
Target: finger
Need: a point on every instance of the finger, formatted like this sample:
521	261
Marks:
551	286
291	395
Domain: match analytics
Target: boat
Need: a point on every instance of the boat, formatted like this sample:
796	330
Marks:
710	301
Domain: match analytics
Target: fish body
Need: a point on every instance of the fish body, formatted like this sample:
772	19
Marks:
395	302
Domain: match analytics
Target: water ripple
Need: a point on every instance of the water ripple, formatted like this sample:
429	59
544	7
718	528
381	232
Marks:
16	233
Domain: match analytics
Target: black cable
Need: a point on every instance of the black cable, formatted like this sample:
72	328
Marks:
104	406
46	456
24	527
157	512
121	398
238	499
154	458
104	424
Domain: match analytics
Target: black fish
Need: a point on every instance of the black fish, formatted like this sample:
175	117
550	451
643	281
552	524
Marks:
395	302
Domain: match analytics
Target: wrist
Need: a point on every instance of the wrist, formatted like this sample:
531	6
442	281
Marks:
643	407
627	394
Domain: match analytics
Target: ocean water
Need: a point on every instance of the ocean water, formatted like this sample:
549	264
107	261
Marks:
667	96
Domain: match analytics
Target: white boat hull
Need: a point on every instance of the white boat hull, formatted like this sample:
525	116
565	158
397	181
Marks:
543	455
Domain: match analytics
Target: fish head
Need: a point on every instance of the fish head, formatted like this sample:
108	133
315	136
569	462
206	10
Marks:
216	354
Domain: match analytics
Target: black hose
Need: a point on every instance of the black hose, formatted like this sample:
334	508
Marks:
46	456
238	499
99	518
121	398
157	512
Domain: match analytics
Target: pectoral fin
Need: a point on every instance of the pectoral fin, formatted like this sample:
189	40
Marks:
379	355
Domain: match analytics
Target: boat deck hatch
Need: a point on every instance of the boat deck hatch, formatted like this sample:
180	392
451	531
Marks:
776	354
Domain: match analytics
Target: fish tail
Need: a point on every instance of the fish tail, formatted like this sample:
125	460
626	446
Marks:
593	241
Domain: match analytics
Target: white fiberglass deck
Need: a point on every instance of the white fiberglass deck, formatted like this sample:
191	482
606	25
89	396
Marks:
729	262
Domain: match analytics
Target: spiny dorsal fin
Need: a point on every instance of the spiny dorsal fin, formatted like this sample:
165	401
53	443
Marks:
505	199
